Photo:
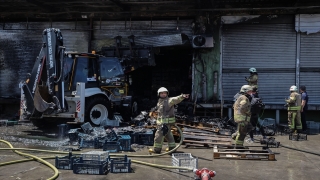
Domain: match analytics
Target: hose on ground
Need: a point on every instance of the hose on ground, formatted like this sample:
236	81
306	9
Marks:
56	172
305	151
296	149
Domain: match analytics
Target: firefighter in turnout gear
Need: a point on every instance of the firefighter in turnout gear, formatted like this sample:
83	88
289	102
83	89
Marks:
242	114
253	79
294	108
166	119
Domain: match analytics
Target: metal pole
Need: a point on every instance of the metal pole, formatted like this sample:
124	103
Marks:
220	72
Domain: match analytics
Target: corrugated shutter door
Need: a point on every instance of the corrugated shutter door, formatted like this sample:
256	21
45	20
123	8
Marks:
271	48
310	65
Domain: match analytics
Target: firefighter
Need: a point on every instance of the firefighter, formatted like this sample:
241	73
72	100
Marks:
165	119
294	110
242	114
253	78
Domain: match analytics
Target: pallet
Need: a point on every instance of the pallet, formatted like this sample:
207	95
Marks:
198	127
204	141
243	154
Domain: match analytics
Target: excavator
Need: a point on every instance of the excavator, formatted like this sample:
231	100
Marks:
72	87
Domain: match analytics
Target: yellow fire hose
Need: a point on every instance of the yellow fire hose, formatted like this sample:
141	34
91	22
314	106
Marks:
61	152
56	172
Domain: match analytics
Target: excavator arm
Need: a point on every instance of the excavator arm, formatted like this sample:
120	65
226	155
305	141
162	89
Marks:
43	90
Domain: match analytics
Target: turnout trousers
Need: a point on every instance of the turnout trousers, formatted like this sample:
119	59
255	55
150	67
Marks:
159	137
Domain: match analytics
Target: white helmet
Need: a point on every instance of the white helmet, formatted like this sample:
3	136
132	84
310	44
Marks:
163	89
246	88
294	88
253	70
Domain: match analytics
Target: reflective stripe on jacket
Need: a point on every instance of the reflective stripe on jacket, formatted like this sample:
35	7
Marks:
294	102
165	109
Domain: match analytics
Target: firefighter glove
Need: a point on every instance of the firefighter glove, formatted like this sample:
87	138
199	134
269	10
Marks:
164	129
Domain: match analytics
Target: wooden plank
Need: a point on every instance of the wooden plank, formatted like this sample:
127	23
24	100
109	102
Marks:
205	134
243	154
197	127
206	138
207	142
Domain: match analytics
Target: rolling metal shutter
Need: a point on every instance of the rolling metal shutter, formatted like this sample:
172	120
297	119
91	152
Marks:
310	65
271	48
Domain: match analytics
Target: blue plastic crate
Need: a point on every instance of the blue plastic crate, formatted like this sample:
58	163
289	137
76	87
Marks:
81	166
88	143
112	146
120	165
144	138
65	162
125	142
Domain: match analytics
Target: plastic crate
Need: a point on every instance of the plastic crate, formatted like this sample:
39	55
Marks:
145	138
88	143
87	128
184	160
112	146
125	142
120	165
298	137
65	162
73	134
81	166
111	136
95	155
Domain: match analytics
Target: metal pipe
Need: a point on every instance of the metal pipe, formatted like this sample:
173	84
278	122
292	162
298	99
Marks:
220	73
298	59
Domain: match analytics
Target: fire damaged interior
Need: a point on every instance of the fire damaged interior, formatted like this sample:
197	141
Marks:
183	35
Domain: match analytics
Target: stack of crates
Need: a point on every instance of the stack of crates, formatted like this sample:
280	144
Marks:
120	164
93	162
184	160
114	143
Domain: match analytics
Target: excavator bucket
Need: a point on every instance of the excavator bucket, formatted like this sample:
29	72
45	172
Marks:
40	104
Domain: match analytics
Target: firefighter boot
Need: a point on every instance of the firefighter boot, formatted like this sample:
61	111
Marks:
155	150
169	149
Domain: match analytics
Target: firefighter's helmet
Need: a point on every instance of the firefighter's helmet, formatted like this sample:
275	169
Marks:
294	88
246	88
162	89
253	70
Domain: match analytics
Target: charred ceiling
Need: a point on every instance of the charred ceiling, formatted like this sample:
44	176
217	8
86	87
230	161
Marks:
17	10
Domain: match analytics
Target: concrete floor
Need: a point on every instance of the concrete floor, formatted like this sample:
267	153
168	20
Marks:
289	164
